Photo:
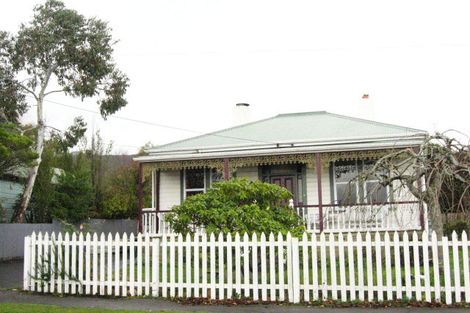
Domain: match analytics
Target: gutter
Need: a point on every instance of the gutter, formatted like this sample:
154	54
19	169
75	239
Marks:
360	145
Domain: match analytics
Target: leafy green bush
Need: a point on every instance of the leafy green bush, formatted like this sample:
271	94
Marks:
457	226
238	205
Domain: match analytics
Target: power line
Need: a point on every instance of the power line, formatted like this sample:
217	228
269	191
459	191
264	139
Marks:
158	124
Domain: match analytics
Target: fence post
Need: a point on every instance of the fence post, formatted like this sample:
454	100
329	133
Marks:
295	270
27	262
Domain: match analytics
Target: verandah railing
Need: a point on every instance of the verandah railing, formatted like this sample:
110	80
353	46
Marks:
352	267
389	216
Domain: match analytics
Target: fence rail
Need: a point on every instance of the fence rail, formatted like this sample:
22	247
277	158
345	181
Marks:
352	267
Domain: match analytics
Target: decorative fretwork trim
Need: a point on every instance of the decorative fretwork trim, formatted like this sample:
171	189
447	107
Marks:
234	163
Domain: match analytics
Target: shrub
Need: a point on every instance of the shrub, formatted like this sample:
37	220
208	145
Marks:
240	206
457	226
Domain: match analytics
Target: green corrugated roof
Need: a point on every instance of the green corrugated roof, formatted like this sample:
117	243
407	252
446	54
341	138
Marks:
292	128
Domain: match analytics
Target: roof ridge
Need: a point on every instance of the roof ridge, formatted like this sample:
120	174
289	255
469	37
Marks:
302	113
373	122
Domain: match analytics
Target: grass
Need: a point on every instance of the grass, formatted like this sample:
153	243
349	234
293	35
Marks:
40	308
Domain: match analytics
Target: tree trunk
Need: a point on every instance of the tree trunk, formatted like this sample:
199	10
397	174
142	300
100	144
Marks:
19	215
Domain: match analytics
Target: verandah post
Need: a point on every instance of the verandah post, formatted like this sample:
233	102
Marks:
226	169
140	197
320	199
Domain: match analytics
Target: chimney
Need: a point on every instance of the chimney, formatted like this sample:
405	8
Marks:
367	107
242	114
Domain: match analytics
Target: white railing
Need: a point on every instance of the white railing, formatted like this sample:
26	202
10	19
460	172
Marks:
353	267
154	223
391	216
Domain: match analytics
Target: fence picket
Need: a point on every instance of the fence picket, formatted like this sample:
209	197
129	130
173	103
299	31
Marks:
117	265
164	266
27	262
445	253
172	245
67	263
305	267
238	270
342	267
81	262
180	269
388	267
314	268
332	248
46	262
147	264
369	266
221	275
295	270
435	263
254	261
156	267
466	270
456	267
60	264
73	264
406	257
290	287
427	279
351	267
280	261
109	255
125	243
188	265
196	265
132	265
95	264
212	294
88	264
397	263
229	267
360	267
272	268
204	264
33	264
378	261
417	267
264	290
324	278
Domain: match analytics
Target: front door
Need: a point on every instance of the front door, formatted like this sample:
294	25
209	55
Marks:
287	182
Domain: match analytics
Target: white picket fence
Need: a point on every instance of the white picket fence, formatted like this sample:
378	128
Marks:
372	267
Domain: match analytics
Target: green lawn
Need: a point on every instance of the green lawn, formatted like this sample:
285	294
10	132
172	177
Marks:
39	308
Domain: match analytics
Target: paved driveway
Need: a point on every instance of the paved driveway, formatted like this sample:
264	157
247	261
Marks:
11	274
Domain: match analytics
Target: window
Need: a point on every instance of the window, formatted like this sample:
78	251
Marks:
346	192
194	181
349	191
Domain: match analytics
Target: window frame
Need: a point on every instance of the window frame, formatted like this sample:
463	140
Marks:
186	190
361	195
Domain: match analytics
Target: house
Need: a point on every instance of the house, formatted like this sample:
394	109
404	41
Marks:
313	154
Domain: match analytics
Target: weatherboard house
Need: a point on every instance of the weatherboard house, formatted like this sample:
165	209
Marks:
314	155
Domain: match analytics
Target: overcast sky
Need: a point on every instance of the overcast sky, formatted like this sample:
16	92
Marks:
189	63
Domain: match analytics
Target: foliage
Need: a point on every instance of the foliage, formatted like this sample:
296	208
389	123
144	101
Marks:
42	308
120	198
72	197
240	206
15	148
76	50
61	51
457	226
